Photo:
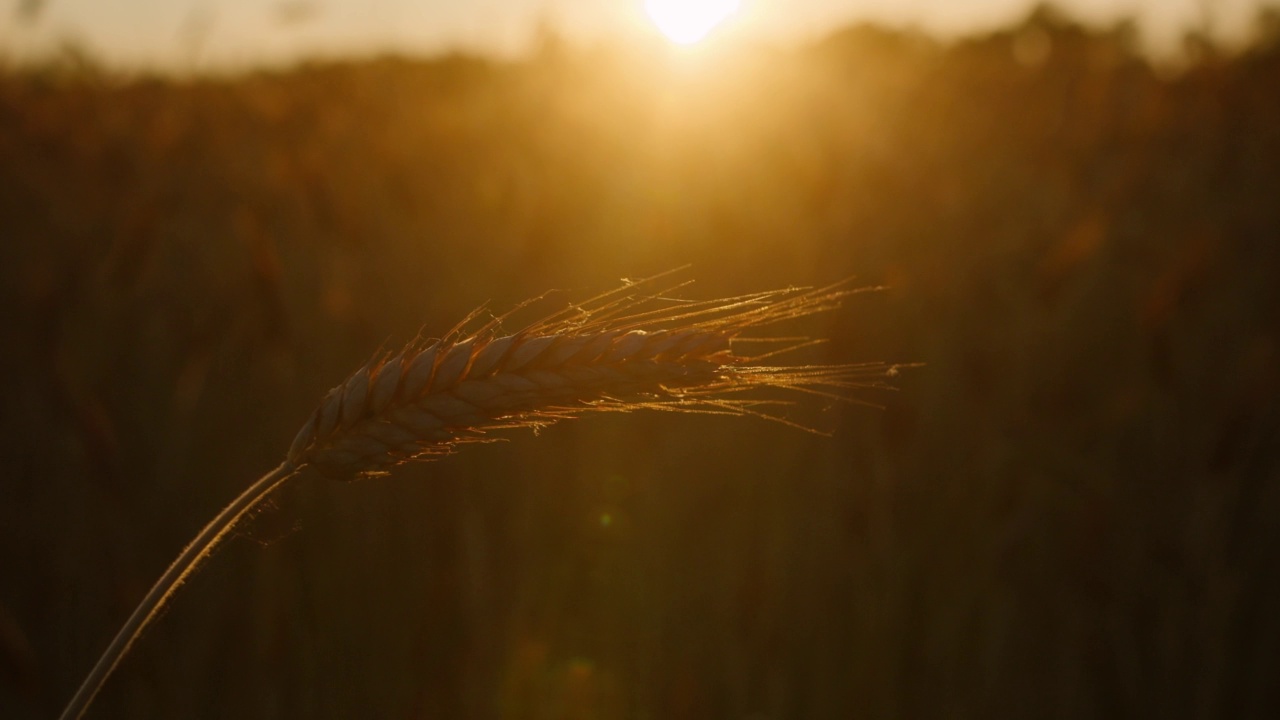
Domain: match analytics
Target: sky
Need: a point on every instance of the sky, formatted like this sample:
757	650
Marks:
198	33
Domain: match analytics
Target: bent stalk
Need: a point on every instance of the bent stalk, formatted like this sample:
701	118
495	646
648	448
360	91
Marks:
204	544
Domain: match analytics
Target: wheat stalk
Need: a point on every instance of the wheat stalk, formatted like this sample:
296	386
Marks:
623	350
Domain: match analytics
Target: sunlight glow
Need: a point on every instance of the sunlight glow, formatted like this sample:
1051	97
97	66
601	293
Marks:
688	21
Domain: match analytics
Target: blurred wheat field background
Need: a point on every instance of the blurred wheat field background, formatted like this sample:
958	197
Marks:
1070	511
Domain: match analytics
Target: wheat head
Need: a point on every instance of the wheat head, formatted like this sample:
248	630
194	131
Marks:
620	351
627	349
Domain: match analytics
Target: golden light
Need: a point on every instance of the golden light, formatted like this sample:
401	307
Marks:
688	21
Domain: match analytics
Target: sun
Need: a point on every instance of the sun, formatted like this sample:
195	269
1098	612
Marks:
688	21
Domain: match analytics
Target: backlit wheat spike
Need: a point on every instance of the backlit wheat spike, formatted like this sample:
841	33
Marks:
627	349
428	399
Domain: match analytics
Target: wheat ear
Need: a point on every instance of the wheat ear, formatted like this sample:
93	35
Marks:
627	349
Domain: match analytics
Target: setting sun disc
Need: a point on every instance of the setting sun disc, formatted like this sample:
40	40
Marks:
688	21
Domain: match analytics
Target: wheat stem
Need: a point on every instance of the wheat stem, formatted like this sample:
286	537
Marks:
181	568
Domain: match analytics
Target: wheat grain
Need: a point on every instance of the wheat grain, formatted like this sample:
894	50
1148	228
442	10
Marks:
627	349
